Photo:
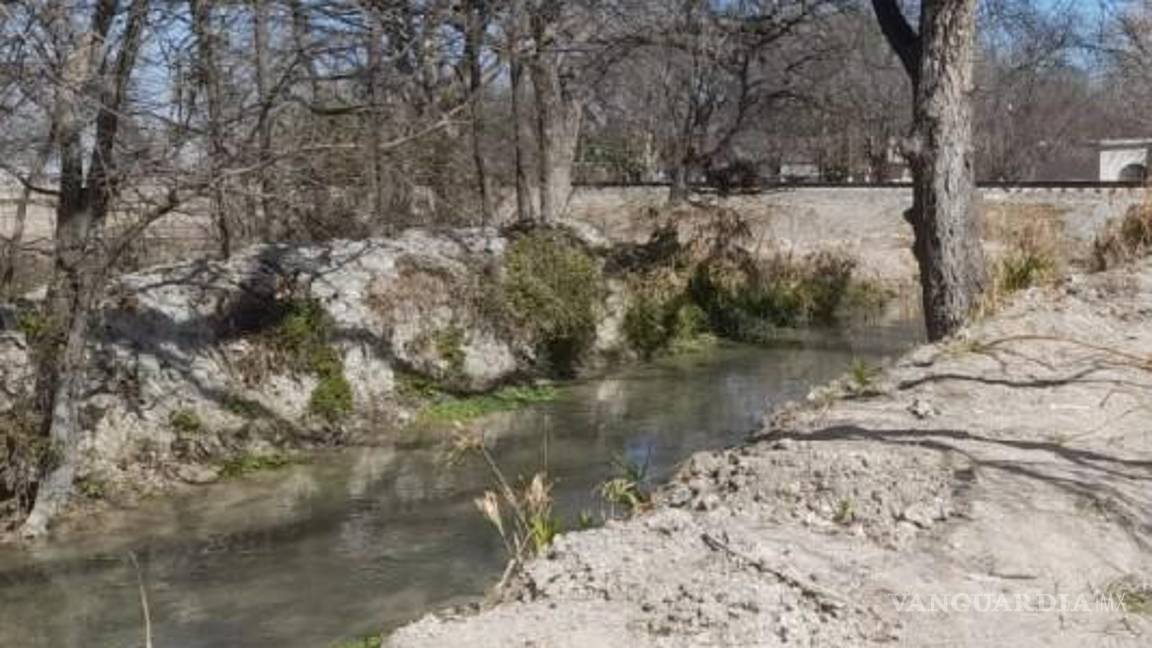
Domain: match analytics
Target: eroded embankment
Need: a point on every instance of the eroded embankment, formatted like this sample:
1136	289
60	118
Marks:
209	369
995	489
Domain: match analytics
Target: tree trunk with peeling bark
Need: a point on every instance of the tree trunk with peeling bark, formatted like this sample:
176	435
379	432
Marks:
939	60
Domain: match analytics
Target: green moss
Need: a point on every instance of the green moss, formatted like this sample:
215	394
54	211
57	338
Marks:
332	398
450	347
250	463
303	338
457	409
554	289
185	421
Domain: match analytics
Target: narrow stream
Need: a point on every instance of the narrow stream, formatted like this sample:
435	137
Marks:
364	540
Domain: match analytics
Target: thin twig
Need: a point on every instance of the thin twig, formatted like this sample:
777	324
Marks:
143	600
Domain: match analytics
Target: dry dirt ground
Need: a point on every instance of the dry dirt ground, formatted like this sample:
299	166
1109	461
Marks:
993	490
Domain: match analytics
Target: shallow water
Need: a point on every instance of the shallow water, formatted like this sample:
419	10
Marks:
364	540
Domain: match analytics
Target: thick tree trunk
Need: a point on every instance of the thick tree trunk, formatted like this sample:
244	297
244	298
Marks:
944	218
558	121
516	77
475	27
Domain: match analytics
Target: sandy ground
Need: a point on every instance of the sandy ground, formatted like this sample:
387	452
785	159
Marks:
993	490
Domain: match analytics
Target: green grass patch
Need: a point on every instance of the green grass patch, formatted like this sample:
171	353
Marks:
251	463
460	409
332	398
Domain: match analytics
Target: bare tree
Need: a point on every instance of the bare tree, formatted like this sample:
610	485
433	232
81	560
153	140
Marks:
83	202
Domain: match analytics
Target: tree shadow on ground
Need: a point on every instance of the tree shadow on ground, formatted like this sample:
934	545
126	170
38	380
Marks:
1119	487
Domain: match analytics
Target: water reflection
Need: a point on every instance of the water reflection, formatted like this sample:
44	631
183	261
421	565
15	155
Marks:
368	539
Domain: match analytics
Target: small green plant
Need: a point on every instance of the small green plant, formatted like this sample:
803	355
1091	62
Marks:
554	289
628	486
521	515
332	398
251	463
863	375
586	520
33	323
845	511
185	421
1023	269
450	346
461	409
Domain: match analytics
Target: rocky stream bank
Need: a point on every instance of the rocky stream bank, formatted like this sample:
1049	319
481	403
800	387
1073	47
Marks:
993	489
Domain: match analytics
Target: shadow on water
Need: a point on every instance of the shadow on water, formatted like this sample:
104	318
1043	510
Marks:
367	539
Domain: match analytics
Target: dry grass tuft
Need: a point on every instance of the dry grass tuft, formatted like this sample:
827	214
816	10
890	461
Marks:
1125	240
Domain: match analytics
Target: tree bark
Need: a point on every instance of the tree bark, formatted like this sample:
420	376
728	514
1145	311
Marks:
320	192
209	73
375	126
944	218
267	187
82	207
8	287
478	17
558	117
516	77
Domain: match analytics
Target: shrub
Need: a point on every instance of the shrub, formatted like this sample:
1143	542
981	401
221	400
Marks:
1124	241
662	316
1023	269
554	289
24	455
739	295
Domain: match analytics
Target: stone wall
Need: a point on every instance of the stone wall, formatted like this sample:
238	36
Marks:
865	221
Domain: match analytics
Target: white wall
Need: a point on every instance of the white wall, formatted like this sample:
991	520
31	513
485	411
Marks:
1112	161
